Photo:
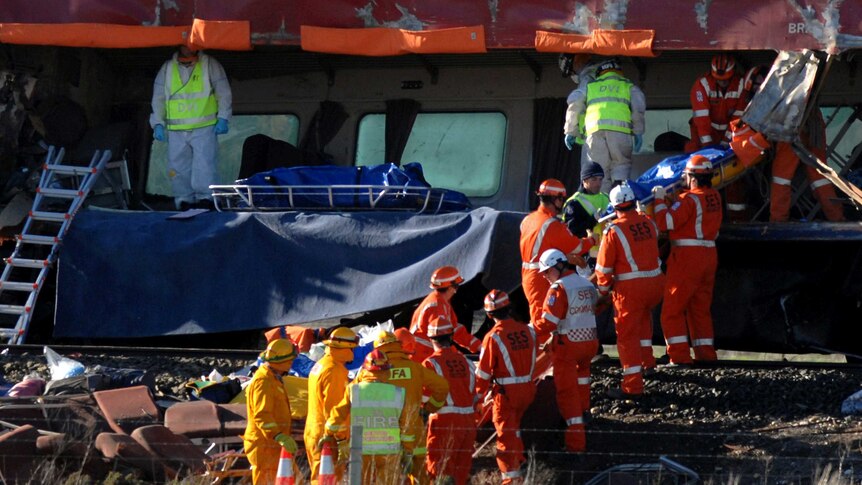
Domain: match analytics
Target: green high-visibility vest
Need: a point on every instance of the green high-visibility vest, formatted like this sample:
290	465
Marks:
193	104
377	406
609	100
591	202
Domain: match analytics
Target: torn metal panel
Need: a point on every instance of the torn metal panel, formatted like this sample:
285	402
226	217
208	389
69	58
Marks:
778	109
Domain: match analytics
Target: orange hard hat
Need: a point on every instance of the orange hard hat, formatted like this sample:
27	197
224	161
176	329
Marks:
723	67
698	165
440	326
495	300
553	188
408	341
445	276
376	360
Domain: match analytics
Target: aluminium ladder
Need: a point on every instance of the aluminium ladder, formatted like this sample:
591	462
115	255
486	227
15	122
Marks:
61	192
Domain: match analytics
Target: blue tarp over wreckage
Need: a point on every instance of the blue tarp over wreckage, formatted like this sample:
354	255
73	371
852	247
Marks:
138	274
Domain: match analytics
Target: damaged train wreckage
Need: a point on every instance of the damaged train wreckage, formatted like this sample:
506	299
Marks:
470	91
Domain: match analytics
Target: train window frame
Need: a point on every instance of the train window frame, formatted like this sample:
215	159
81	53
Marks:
485	183
230	150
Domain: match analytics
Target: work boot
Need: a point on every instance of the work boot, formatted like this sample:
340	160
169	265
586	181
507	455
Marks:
649	372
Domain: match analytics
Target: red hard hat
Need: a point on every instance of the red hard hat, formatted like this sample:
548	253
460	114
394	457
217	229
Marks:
495	300
553	188
376	360
698	165
723	66
445	276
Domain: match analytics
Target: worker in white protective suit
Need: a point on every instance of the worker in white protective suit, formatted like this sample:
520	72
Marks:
610	108
191	106
581	71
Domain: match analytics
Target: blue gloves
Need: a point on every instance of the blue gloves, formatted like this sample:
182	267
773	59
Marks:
221	127
570	141
159	133
639	142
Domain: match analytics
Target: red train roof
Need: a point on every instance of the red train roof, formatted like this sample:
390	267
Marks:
831	25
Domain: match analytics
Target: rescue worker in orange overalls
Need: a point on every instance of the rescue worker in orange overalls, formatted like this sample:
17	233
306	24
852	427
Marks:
327	383
692	223
452	429
540	231
569	316
784	165
415	380
717	98
629	264
785	161
372	402
508	359
444	283
268	427
302	337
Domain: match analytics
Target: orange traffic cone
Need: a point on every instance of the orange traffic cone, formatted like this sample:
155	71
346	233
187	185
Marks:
285	469
327	467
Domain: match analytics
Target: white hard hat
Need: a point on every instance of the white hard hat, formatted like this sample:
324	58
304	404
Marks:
621	194
551	258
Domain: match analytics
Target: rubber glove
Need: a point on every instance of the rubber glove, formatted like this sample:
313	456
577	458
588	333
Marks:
343	450
327	439
286	442
570	141
659	192
159	133
221	127
406	460
639	142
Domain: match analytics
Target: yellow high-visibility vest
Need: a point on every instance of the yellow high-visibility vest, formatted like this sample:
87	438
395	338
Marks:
609	100
193	104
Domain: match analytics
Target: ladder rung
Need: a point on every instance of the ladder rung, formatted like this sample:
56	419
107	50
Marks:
9	332
18	286
69	169
60	193
13	309
50	216
35	239
27	263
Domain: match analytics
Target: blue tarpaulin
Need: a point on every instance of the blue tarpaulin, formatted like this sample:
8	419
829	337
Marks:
137	274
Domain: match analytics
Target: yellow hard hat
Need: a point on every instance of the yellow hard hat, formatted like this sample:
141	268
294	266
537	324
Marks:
279	350
384	338
342	338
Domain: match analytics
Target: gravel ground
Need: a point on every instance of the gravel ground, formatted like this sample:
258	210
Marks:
737	425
